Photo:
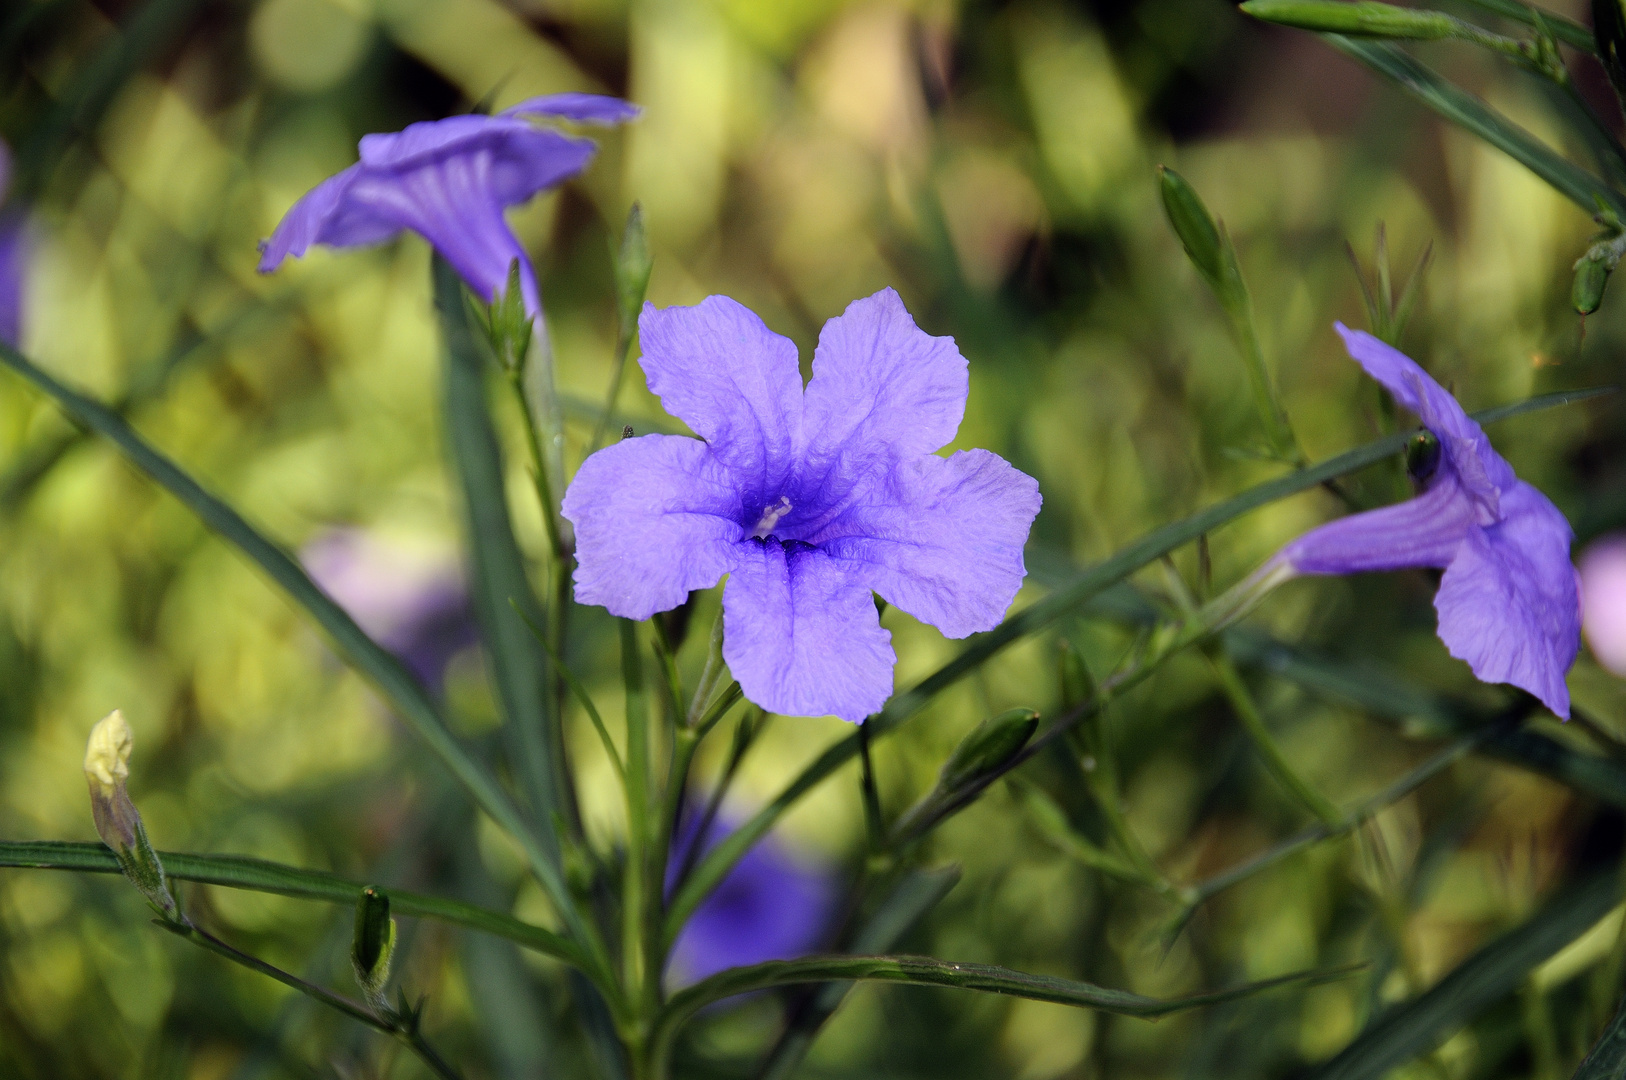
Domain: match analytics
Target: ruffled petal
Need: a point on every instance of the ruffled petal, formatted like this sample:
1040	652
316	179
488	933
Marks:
801	636
582	108
1425	531
940	538
881	389
654	521
719	369
1508	604
1464	444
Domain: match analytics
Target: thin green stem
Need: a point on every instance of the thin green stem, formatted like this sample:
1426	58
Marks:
1242	703
539	468
403	1028
874	823
641	882
623	346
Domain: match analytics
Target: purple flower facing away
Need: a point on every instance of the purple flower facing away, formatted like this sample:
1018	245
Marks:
14	248
1603	601
1507	602
450	181
771	906
411	601
807	498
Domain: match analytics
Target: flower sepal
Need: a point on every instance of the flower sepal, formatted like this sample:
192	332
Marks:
506	323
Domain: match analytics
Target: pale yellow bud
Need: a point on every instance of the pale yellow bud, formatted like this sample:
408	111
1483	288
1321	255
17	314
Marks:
107	754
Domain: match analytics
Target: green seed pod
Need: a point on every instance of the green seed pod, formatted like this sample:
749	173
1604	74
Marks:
1591	275
374	943
632	266
989	745
1364	19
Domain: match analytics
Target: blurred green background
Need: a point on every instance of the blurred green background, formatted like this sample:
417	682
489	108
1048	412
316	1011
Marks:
995	164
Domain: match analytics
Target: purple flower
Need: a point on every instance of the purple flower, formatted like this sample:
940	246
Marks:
771	906
1603	601
1507	602
807	498
410	600
450	181
13	259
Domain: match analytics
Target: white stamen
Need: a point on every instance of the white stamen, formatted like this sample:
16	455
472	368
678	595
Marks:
770	518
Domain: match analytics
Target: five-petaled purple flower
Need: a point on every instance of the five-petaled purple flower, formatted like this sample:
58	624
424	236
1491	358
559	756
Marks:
807	498
771	906
13	259
450	181
1507	602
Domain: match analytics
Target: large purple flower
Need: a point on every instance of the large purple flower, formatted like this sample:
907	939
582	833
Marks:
807	498
1507	602
449	180
771	906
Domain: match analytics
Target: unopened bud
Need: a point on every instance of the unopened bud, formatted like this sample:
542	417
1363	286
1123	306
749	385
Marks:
1363	19
374	945
1193	224
1591	275
107	771
1422	456
632	266
989	745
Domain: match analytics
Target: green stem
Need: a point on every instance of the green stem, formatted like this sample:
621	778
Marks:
639	885
539	468
404	1028
1236	692
623	345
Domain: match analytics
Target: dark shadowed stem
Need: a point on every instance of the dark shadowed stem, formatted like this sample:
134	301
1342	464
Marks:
623	345
874	823
1242	703
638	882
398	1026
750	725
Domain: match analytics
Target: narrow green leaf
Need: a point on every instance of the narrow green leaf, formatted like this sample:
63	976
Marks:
1469	112
257	875
907	904
1365	18
501	589
1415	1027
1607	1061
927	971
386	673
1082	588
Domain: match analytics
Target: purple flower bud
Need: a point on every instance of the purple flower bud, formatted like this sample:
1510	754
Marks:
411	601
807	498
772	906
449	181
1507	603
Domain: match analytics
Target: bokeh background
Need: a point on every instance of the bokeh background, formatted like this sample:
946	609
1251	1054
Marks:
993	162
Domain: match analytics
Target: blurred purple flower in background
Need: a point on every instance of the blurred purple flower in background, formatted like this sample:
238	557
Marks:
771	906
13	258
807	498
1603	601
410	600
1507	603
450	181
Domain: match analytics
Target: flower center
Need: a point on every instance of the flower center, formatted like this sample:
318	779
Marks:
770	517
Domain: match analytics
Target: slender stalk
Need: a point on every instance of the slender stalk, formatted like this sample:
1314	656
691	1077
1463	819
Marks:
623	346
874	823
402	1027
1236	692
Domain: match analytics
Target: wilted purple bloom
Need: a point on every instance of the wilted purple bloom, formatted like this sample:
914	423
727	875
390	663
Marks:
807	498
1603	601
411	601
450	181
1507	602
771	906
13	258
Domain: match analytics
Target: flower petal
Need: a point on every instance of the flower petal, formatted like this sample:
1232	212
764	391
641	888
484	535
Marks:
801	636
1425	531
1508	603
1483	471
719	369
881	386
582	108
654	521
940	537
